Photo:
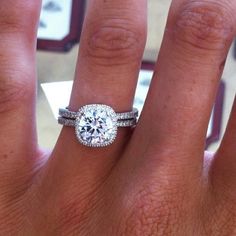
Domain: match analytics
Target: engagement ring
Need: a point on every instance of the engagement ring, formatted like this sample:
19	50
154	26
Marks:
96	124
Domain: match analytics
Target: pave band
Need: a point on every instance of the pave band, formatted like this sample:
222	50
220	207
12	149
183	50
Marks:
120	123
96	124
64	112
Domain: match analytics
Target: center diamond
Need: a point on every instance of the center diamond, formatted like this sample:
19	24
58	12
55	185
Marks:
96	125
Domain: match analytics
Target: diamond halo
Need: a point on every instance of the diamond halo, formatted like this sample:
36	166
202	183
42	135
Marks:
96	125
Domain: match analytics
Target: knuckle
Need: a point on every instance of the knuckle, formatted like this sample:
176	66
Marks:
71	217
17	86
153	213
14	93
220	216
75	213
205	25
114	43
19	18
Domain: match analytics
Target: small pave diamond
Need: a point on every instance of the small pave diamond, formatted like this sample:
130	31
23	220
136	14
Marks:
128	115
127	123
95	125
120	116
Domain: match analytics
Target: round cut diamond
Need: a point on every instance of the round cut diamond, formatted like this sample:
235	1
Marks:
96	125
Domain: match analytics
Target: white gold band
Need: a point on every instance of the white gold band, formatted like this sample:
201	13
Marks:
64	112
120	123
96	124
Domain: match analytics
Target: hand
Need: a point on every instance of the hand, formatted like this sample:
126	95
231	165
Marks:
154	180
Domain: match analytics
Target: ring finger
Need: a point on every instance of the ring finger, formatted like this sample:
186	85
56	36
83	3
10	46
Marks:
111	49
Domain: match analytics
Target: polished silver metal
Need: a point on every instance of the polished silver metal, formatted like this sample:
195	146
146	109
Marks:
120	123
96	124
64	112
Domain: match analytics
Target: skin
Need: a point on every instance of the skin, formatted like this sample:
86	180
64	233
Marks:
155	179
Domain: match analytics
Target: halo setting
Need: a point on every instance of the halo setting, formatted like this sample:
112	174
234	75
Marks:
95	125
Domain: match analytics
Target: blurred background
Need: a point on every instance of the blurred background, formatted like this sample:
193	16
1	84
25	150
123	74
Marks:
58	44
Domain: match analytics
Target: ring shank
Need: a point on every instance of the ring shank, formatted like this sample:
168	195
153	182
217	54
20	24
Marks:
96	124
120	123
64	112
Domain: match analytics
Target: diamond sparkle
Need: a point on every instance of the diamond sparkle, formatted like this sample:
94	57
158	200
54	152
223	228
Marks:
96	125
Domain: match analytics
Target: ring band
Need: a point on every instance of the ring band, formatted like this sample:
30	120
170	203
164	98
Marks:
64	112
96	124
120	123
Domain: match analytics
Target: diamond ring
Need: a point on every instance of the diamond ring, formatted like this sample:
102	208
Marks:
96	124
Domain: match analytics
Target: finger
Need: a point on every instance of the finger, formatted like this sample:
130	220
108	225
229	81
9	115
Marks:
196	42
111	49
224	164
18	26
